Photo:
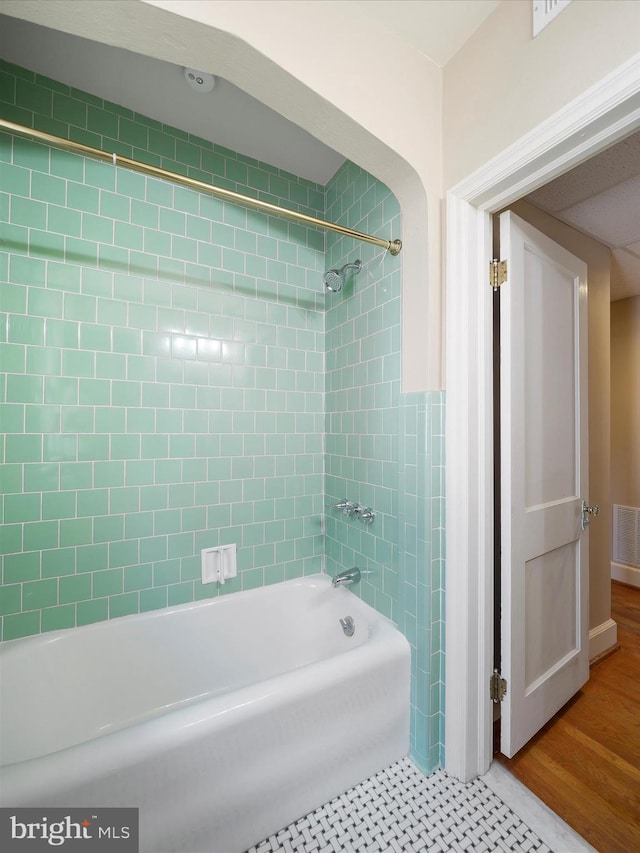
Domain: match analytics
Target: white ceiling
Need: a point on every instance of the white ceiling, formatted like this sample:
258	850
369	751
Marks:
600	197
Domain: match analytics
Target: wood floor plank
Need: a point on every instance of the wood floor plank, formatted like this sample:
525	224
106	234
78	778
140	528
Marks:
619	680
585	763
581	806
616	780
617	738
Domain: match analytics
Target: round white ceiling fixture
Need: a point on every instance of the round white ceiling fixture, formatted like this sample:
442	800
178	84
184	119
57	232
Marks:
199	81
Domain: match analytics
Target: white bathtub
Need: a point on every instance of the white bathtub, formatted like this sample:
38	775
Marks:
222	721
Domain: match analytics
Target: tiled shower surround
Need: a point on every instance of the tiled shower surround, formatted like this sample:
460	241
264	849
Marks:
173	373
384	450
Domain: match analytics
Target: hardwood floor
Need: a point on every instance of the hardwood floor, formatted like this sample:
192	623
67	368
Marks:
585	763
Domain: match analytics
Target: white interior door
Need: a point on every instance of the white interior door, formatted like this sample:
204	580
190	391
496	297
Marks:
544	471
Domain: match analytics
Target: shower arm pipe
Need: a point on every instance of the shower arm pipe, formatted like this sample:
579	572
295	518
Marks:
392	246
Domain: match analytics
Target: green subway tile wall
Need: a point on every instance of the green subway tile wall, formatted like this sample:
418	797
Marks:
384	450
174	377
363	375
162	358
421	477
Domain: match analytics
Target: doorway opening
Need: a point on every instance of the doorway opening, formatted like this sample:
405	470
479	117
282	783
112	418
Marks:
591	722
607	113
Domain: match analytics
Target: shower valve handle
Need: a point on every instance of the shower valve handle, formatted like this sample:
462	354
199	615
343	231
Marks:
345	505
364	514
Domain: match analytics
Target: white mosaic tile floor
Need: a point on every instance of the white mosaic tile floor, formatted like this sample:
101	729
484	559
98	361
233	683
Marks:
401	811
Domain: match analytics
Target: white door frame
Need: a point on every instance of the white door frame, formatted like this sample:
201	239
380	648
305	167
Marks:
605	113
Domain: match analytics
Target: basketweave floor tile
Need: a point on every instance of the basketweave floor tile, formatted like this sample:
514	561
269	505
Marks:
399	810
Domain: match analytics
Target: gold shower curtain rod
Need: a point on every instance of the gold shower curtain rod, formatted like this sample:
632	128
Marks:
392	246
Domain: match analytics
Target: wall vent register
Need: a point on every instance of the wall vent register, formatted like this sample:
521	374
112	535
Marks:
626	535
544	11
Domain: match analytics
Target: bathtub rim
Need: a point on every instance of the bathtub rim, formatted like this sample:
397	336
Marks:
319	579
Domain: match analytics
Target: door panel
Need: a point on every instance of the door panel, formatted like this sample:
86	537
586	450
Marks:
548	305
544	468
550	590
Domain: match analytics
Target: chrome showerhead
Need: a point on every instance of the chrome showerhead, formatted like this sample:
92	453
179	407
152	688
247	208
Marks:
334	279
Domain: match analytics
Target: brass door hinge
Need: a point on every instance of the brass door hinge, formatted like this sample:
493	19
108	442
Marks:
497	687
497	273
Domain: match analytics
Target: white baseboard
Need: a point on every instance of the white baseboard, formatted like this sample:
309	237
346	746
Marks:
625	574
602	638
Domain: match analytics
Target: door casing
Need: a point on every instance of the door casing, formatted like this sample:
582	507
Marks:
605	113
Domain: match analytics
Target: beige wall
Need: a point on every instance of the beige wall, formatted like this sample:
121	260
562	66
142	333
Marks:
625	402
598	259
504	83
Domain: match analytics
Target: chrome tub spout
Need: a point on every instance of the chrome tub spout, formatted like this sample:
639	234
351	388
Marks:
346	577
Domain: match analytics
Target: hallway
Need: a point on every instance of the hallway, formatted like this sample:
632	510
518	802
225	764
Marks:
585	763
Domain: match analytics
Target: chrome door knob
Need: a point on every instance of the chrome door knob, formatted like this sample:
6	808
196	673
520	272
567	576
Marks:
587	512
